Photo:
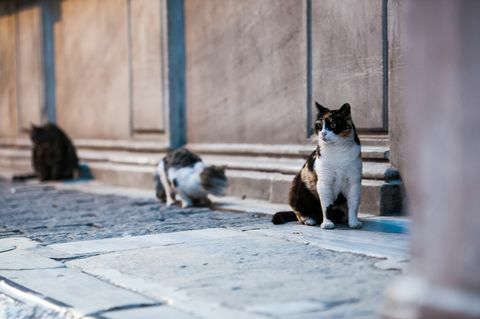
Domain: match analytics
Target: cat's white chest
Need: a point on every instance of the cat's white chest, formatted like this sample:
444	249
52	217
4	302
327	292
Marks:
338	166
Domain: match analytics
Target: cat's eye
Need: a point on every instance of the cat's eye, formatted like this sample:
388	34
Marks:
333	125
318	124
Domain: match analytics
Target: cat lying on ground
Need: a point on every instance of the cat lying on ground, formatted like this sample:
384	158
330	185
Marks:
331	176
184	173
53	154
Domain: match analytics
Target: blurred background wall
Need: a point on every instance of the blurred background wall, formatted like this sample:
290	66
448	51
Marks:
233	80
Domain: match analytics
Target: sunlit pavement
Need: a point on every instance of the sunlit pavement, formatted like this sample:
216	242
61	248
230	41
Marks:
86	249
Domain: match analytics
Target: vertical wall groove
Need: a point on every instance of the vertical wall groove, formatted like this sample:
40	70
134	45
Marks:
385	62
309	67
48	45
130	66
176	72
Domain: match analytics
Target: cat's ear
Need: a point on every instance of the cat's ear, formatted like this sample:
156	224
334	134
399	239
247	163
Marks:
345	109
321	109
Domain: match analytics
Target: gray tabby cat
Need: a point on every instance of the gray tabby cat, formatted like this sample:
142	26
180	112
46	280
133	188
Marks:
183	173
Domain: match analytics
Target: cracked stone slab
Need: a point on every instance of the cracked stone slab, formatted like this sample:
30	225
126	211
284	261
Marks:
19	259
94	247
376	244
12	243
150	312
12	308
243	275
71	288
15	254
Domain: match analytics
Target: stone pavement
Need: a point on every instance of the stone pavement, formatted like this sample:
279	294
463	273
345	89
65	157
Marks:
68	253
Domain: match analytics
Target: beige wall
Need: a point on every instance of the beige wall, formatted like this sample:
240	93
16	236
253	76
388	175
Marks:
109	68
246	71
92	68
8	94
147	65
347	58
30	95
395	82
246	68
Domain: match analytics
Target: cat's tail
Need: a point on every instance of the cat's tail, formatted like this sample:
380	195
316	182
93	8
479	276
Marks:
23	177
214	180
284	217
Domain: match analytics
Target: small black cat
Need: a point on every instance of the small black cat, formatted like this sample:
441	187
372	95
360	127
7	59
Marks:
53	154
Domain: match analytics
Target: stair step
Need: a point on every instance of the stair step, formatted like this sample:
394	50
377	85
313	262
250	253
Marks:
378	197
374	139
376	151
258	177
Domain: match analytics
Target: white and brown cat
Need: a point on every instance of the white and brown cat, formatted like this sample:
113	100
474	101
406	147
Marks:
331	176
183	173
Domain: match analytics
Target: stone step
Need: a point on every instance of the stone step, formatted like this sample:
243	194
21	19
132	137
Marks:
369	151
378	197
258	177
374	139
13	157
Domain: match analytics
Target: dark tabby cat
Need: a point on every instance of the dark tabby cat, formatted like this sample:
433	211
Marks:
53	154
331	177
184	173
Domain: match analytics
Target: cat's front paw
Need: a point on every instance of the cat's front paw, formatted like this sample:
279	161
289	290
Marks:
309	221
186	204
355	223
327	225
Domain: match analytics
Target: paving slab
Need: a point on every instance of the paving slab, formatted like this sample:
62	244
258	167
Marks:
150	312
376	244
12	308
19	259
118	253
246	276
94	247
73	289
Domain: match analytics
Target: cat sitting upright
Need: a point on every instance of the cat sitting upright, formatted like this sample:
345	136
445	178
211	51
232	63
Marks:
331	176
184	173
53	154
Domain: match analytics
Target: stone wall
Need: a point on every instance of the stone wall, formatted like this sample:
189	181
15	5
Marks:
246	72
347	49
395	82
108	64
8	87
109	68
274	58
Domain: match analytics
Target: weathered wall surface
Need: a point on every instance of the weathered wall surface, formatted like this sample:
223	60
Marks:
30	95
8	93
347	58
146	27
396	117
246	71
92	68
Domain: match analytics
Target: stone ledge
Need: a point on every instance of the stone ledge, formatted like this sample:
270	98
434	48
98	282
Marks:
10	156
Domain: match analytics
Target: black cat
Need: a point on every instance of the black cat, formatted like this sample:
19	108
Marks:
53	154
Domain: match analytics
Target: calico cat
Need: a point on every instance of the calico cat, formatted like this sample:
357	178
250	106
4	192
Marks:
184	173
331	176
53	154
